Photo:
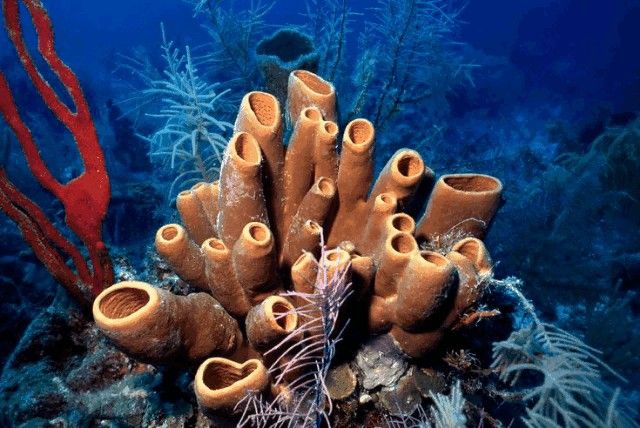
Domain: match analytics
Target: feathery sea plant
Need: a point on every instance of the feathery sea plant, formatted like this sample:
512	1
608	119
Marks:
134	73
568	389
299	374
329	23
192	136
447	412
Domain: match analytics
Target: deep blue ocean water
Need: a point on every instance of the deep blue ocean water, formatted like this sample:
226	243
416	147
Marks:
541	94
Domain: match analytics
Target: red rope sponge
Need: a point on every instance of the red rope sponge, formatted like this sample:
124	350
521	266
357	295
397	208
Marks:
85	198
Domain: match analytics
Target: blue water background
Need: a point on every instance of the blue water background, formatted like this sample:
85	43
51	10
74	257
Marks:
569	61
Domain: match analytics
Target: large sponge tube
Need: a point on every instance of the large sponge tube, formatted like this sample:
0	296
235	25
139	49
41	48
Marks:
306	89
241	195
270	322
221	383
460	205
182	254
157	326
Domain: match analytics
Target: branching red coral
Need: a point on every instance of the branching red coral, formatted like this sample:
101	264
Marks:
85	198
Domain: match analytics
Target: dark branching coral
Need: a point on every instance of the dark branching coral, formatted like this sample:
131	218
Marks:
235	29
257	232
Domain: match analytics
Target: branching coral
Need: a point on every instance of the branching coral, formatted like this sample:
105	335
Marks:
85	198
257	233
234	32
416	58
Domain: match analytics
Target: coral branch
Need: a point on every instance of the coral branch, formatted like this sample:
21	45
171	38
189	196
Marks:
85	198
9	111
34	235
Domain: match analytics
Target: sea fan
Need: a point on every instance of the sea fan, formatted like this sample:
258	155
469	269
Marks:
416	58
567	375
329	22
447	410
234	31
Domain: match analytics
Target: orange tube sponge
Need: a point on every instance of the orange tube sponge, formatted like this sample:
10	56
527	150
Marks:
428	287
242	198
303	231
400	222
260	116
418	344
194	216
355	174
156	325
460	205
396	254
423	289
333	263
254	262
402	175
306	89
221	383
207	194
373	236
298	172
398	250
246	274
325	156
306	238
261	226
363	271
474	250
317	202
270	322
221	278
304	272
182	254
473	263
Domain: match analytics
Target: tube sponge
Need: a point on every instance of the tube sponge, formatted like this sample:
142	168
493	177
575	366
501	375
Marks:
281	53
460	205
270	322
307	89
221	383
257	232
157	326
274	201
182	254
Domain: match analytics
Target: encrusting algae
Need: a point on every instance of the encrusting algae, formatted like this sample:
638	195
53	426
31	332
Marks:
258	232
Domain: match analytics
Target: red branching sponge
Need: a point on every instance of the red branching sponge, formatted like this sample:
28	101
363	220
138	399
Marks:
85	198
